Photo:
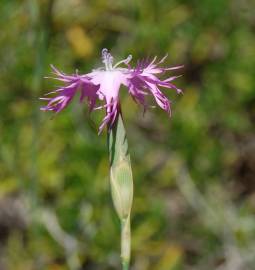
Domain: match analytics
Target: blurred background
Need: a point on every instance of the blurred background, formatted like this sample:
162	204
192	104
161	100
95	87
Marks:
194	174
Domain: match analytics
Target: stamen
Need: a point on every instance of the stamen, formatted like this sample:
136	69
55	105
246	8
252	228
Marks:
107	59
110	60
125	61
104	53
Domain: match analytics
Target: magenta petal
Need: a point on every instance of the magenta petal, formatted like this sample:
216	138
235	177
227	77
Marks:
103	86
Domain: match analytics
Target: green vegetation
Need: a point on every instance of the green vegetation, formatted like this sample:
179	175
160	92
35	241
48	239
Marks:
194	175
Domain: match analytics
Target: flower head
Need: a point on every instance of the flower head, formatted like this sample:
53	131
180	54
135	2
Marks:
104	84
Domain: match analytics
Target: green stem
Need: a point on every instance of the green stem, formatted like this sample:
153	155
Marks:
125	265
121	181
125	242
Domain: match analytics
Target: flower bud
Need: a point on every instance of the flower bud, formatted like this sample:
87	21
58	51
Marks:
122	187
121	178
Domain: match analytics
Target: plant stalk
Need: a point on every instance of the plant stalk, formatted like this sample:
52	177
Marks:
125	242
121	181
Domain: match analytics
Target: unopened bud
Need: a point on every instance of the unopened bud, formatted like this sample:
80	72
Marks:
122	188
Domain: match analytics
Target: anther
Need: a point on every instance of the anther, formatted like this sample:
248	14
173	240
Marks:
104	53
128	59
125	61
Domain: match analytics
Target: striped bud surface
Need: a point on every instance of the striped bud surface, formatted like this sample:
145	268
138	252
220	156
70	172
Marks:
121	181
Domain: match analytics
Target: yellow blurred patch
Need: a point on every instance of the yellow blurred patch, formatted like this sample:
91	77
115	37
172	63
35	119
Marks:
81	43
7	186
178	15
170	258
190	99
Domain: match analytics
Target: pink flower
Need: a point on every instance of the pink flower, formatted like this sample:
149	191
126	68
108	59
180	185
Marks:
104	84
